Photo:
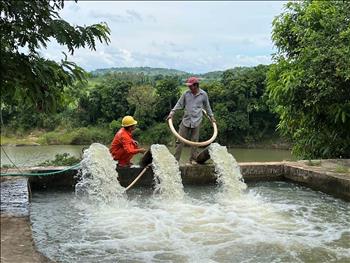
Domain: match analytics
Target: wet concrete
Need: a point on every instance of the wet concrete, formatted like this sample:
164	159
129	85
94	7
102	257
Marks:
15	197
17	244
329	176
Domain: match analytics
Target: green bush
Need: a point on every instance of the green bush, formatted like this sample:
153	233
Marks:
91	135
64	159
54	137
80	136
7	166
115	125
159	133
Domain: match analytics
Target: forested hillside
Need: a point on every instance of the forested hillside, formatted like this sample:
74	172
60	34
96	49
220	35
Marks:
93	110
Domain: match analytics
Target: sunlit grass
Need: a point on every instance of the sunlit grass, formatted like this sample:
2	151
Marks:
27	140
78	136
342	169
313	163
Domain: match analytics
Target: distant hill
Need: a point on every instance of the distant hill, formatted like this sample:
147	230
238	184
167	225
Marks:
138	70
149	71
211	75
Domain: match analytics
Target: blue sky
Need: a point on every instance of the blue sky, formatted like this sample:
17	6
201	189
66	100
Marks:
192	36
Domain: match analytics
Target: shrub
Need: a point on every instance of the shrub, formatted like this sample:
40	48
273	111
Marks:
159	133
64	159
80	136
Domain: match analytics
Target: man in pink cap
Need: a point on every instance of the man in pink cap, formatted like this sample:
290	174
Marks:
193	101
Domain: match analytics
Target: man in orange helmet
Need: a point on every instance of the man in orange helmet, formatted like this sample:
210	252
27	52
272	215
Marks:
123	146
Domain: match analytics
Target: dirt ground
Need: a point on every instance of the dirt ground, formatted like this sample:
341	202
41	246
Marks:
17	243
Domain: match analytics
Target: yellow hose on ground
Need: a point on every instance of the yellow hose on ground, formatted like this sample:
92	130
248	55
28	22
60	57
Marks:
198	144
137	178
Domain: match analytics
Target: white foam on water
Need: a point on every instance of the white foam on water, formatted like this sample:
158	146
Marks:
167	176
227	171
98	176
284	224
279	222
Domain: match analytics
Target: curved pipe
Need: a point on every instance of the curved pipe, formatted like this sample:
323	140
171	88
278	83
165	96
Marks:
137	178
197	144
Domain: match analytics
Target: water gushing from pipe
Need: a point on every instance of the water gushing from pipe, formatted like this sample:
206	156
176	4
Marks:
227	171
98	177
167	176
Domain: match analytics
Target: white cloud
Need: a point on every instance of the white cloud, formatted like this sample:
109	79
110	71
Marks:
191	36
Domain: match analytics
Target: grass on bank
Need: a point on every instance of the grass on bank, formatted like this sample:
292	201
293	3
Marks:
158	133
79	136
12	140
342	169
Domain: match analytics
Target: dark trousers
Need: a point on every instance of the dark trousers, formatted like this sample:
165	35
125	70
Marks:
191	134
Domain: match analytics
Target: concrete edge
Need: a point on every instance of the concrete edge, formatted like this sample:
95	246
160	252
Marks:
335	184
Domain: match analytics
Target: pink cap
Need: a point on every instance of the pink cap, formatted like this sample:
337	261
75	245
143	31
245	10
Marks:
192	80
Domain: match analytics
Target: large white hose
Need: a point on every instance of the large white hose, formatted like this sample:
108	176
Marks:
197	144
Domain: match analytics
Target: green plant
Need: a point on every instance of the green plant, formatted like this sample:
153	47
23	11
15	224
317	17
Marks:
78	136
308	85
64	159
7	166
342	169
115	125
313	163
27	26
158	133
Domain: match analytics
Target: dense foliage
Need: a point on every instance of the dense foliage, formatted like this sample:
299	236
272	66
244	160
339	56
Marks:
28	78
64	159
240	105
309	85
97	107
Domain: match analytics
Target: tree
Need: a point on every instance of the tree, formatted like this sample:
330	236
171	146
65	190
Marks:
27	77
310	83
142	98
168	92
106	102
240	106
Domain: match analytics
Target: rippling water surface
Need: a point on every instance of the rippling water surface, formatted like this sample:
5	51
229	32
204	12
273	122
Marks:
269	222
33	155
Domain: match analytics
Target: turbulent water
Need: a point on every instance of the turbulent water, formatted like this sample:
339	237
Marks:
227	171
270	222
98	177
167	176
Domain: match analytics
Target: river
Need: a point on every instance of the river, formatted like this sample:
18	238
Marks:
33	155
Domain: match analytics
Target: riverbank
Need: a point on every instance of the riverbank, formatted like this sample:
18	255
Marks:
19	141
73	136
84	137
